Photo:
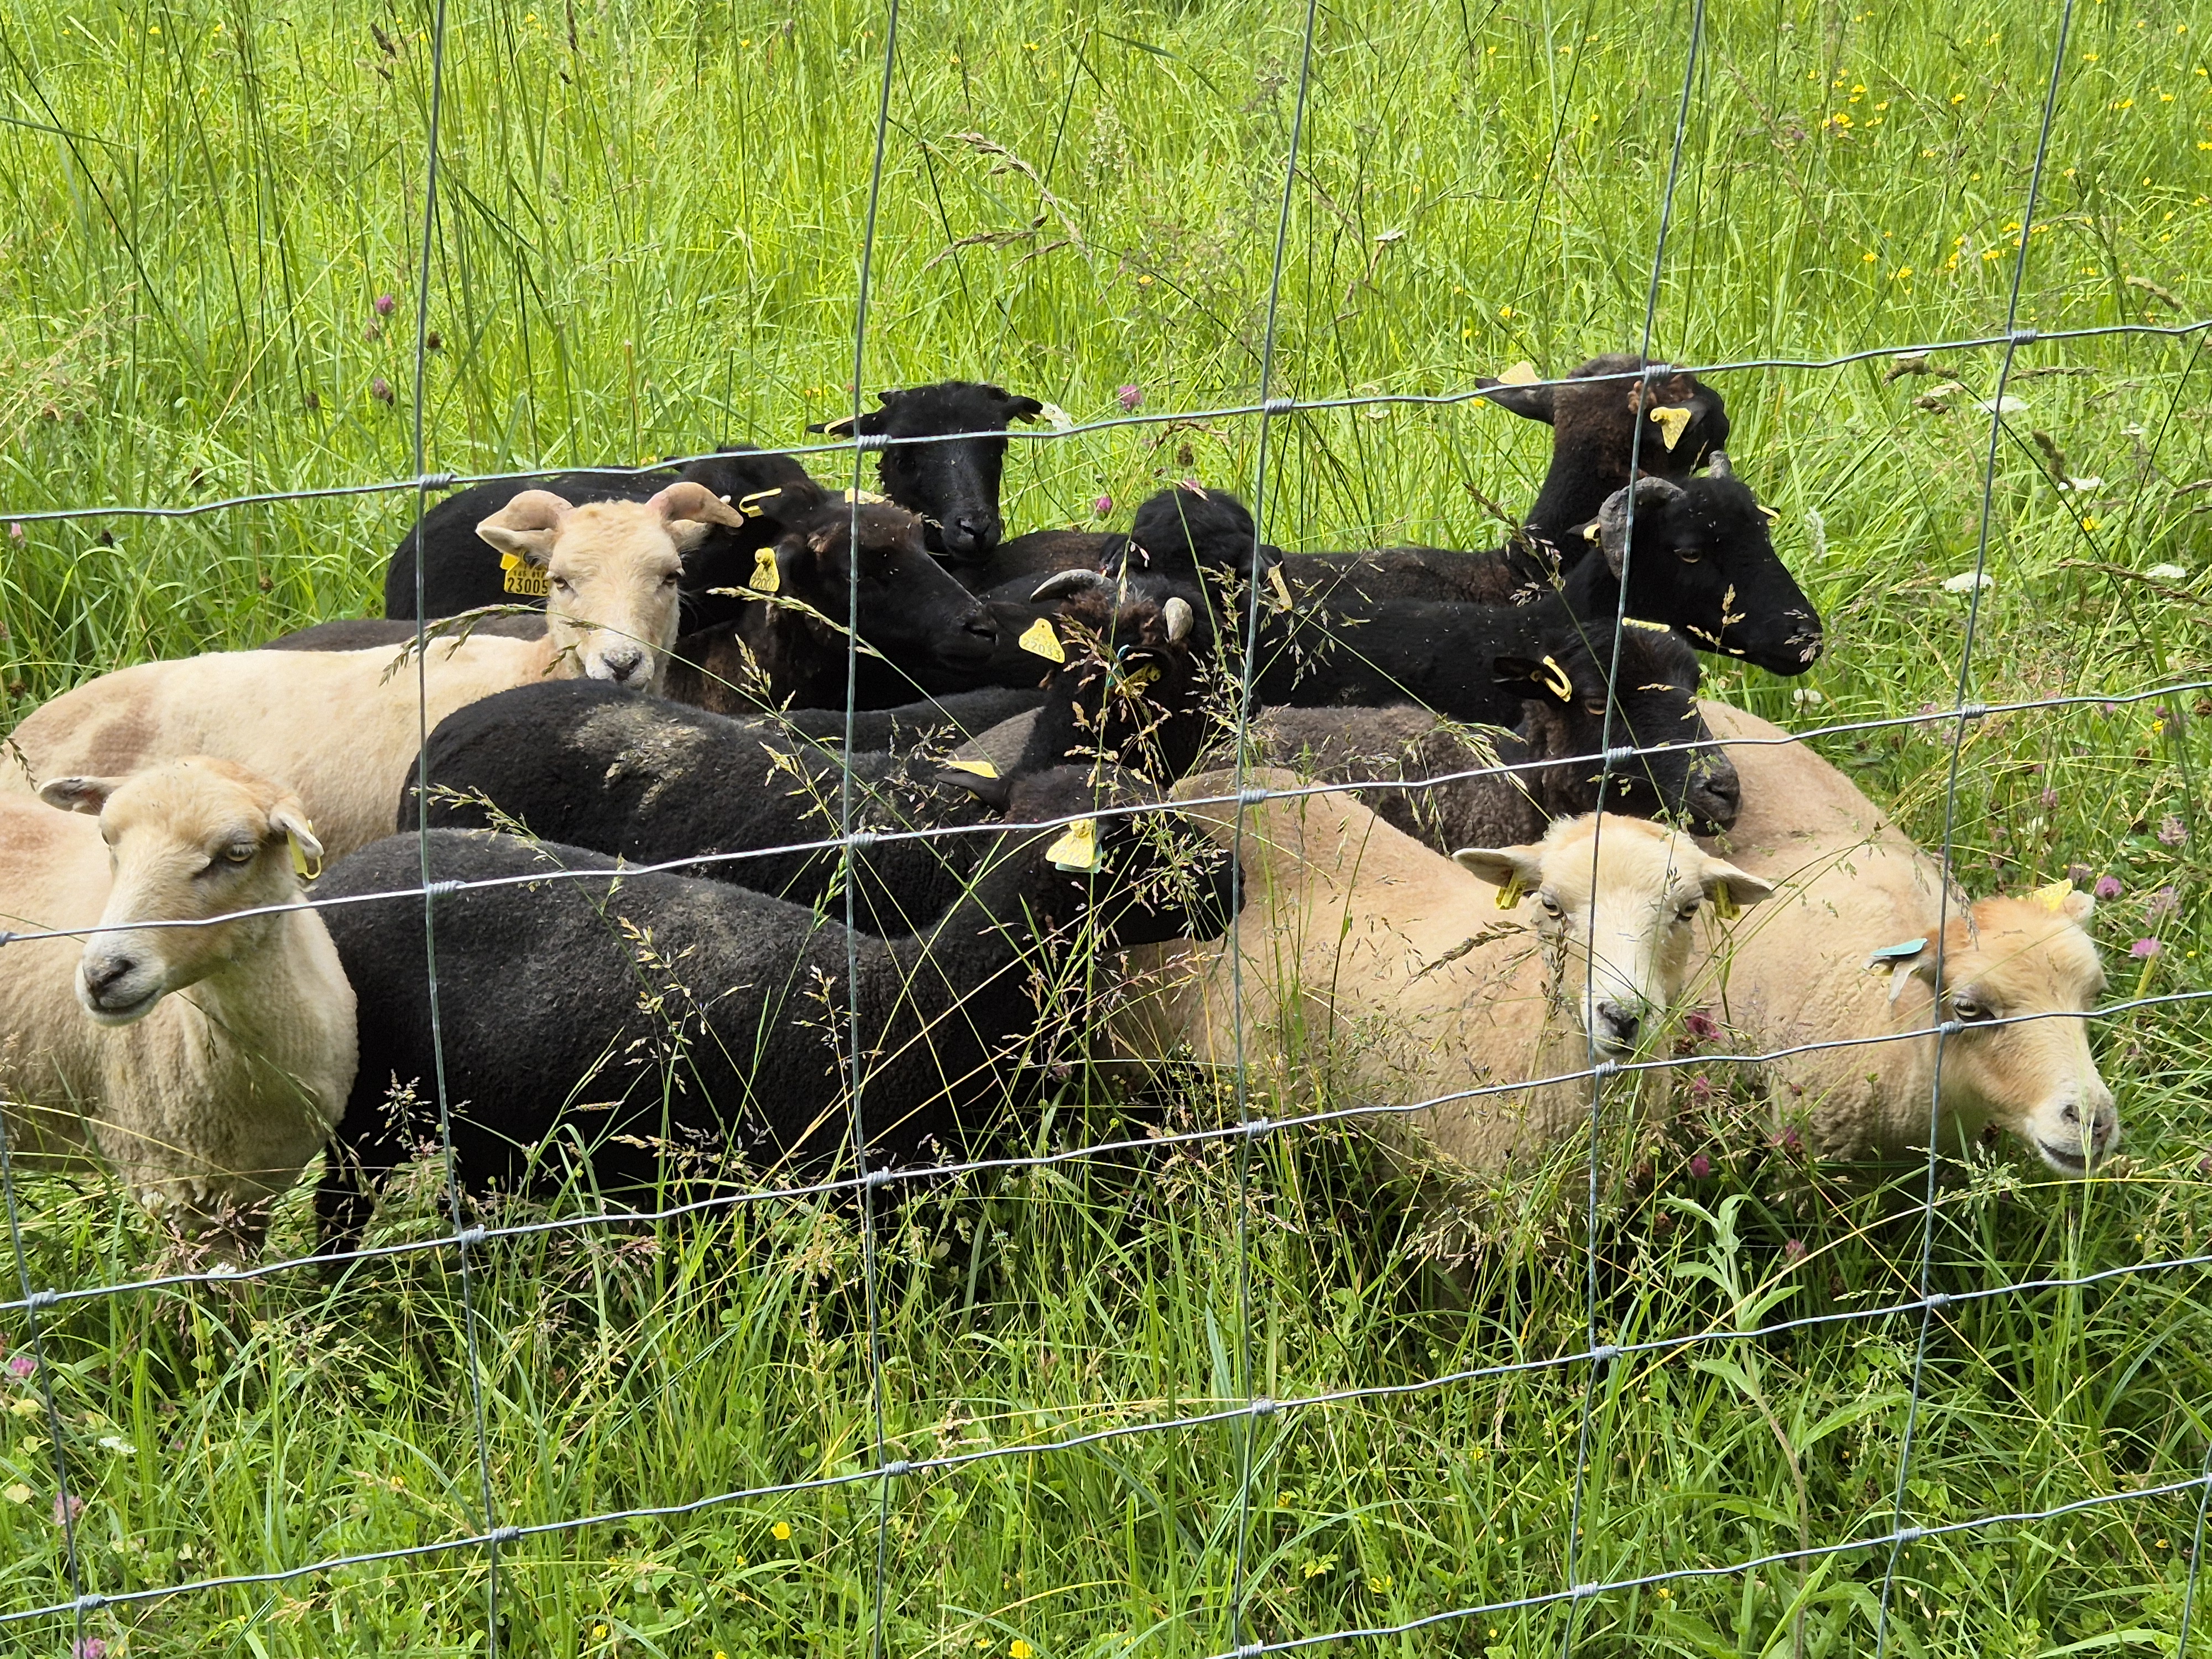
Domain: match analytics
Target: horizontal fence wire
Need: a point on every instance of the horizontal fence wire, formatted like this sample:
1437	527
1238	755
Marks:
1273	407
1596	1355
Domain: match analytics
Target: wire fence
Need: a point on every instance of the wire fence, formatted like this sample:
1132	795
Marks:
870	1181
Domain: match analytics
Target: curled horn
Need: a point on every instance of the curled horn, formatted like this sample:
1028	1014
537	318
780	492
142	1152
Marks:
1179	616
1721	468
1062	583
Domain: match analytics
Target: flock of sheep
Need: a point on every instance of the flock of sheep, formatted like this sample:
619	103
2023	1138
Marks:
646	960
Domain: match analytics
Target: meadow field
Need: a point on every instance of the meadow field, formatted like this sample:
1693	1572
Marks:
649	237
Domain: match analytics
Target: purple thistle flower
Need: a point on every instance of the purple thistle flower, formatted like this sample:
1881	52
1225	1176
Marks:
1699	1088
384	305
1792	1250
67	1507
1700	1167
1103	506
1129	397
2161	904
381	389
89	1647
1701	1025
2144	949
22	1367
2107	887
2171	832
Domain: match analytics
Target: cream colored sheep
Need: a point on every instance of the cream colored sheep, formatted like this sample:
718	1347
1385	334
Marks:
1374	971
342	728
1851	883
205	1065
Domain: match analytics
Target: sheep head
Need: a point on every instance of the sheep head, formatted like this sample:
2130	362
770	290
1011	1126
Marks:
612	570
193	839
910	609
2005	959
1617	917
953	486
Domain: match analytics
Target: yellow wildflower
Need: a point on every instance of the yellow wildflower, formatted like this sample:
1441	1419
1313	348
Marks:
781	1530
1020	1650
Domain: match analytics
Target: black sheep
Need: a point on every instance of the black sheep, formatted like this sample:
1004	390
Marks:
1702	560
786	644
953	485
653	781
656	1028
1593	423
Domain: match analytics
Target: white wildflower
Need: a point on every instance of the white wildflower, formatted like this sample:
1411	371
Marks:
2081	486
1967	580
1805	697
119	1445
2167	572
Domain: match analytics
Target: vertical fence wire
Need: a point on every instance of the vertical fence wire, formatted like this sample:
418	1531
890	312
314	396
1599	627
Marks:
871	1289
66	1503
454	1199
1959	715
1248	1421
1600	1367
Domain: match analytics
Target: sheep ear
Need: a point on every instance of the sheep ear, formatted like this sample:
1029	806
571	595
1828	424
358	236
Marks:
1512	870
288	819
2076	906
86	795
1651	495
1531	402
527	525
1730	889
989	788
839	428
1022	409
687	502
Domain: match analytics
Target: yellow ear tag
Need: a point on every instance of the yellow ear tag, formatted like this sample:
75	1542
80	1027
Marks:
1509	895
1522	374
1138	679
1282	589
300	858
518	575
1557	681
750	506
1772	517
865	498
981	768
1724	904
1591	531
2053	898
1671	424
1078	849
766	578
1039	640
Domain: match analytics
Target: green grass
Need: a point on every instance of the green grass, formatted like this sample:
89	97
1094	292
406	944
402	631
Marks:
649	240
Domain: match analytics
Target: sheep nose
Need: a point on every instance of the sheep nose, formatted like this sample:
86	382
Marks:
622	663
101	976
1617	1026
971	534
2101	1123
1715	795
982	624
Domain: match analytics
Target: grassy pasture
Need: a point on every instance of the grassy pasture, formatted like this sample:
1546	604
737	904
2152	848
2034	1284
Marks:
648	237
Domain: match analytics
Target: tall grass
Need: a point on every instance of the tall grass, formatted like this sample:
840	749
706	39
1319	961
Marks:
648	237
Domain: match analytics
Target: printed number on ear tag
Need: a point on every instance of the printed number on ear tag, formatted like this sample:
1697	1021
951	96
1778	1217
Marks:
981	768
766	578
1509	895
1724	904
1672	422
518	575
1138	678
1282	589
1078	849
1039	640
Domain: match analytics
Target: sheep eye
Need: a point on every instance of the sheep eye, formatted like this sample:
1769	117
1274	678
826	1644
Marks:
561	584
1689	910
1689	555
1550	905
1594	707
1967	1008
239	852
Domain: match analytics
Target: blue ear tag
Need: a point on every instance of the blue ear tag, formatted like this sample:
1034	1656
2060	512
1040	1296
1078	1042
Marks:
1903	953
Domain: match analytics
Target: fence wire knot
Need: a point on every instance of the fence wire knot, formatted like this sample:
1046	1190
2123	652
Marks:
1279	405
895	1467
1604	1354
1950	1027
469	1238
1605	1070
1263	1406
499	1535
439	888
89	1603
866	441
436	481
1909	1535
1254	1127
1251	795
1582	1592
38	1299
861	840
2020	336
1939	1301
